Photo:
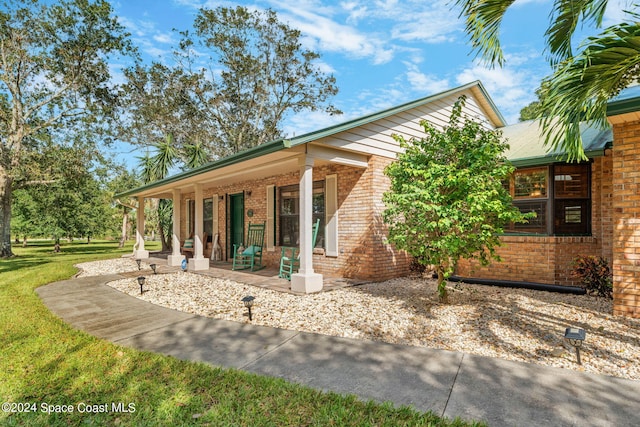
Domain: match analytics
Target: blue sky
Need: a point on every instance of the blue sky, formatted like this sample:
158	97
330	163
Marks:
382	52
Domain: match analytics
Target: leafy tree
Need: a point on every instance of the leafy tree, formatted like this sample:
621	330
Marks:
534	110
122	181
161	103
53	75
74	205
581	83
447	200
258	74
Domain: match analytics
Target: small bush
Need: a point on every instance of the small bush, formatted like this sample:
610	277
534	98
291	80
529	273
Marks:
595	274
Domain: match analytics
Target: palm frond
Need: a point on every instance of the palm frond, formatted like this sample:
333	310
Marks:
196	155
581	86
146	165
165	157
564	19
483	19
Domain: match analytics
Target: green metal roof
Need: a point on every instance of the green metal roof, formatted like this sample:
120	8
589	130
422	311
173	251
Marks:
270	147
274	146
627	101
527	143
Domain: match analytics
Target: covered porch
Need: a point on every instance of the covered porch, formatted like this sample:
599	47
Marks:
215	203
266	278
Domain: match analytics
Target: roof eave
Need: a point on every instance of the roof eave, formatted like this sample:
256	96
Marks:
360	121
623	106
555	158
261	150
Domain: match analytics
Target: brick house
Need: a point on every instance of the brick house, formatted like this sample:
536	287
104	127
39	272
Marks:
336	175
572	202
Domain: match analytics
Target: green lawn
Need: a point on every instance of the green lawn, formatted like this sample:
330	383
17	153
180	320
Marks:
47	366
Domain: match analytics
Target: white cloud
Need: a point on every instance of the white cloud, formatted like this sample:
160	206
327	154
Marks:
310	121
615	14
165	38
355	10
331	36
324	67
510	88
424	83
437	24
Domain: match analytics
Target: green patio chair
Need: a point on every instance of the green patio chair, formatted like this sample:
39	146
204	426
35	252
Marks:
250	256
290	256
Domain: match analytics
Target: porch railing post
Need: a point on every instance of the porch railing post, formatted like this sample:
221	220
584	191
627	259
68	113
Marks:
198	262
175	259
140	252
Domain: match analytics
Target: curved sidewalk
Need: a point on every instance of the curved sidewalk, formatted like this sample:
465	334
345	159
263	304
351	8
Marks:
451	384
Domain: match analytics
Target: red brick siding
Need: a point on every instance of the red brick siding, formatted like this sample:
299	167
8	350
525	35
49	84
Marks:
547	259
362	251
626	219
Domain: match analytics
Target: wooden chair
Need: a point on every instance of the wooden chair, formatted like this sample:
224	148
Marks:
189	246
290	256
250	256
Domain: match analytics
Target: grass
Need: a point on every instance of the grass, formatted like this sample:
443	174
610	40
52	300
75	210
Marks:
44	363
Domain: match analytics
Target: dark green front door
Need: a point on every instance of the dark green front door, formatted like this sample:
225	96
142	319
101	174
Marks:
236	214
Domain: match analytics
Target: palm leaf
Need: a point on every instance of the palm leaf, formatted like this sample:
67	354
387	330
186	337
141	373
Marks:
564	20
165	157
196	155
581	86
483	19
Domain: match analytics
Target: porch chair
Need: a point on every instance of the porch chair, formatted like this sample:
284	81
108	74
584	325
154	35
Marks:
250	256
188	246
290	256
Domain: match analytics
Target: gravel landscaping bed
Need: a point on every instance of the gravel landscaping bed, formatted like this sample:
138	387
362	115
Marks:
512	324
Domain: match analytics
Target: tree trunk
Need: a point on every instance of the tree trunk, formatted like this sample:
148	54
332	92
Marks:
125	222
442	286
5	214
165	240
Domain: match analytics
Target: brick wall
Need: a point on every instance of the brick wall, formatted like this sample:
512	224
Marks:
547	259
626	219
363	253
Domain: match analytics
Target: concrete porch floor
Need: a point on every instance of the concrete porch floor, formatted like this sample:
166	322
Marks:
265	278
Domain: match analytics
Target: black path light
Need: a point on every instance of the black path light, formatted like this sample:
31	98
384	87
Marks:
141	280
576	337
248	302
139	261
153	267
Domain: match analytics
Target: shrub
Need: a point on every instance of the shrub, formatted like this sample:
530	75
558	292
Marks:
595	274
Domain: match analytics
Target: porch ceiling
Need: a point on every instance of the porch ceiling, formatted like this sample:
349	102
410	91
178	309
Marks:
260	167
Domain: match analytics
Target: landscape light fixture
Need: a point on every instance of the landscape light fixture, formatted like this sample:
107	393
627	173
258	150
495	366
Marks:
141	280
139	261
153	267
576	337
248	302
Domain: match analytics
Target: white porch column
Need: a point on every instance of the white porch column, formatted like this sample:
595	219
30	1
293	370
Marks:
140	252
198	262
175	259
306	280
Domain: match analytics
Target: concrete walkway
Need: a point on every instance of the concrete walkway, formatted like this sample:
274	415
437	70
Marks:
451	384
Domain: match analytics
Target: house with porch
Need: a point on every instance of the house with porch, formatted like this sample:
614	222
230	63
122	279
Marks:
336	175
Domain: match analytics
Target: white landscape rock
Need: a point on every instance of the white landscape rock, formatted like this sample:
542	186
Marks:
512	324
